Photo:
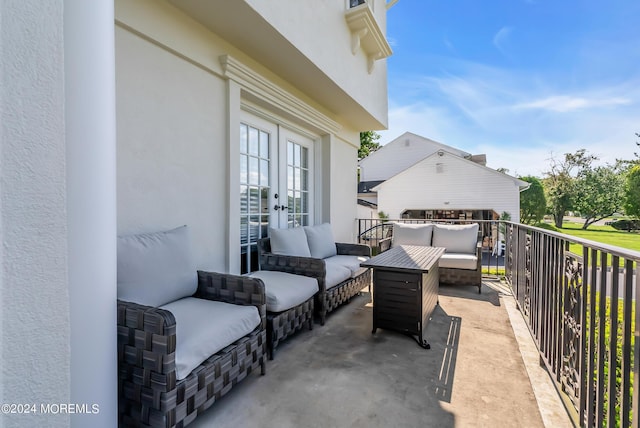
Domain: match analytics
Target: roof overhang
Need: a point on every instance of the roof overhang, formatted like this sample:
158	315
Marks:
261	41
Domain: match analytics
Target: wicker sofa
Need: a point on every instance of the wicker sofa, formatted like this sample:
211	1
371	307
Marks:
462	262
160	384
311	251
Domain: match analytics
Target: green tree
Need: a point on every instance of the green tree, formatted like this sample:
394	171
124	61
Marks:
559	182
368	143
632	192
533	203
600	192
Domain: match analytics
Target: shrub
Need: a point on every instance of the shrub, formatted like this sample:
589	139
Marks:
628	225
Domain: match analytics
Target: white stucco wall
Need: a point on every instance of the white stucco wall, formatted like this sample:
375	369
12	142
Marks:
172	166
57	213
313	28
343	190
34	297
461	184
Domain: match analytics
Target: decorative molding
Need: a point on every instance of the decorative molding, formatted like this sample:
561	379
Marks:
366	34
271	93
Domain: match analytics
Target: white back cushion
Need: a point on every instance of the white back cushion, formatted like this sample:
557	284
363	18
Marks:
289	242
411	234
320	240
459	238
203	327
156	268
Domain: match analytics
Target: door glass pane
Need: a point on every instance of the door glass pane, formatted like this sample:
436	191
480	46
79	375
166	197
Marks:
253	142
264	145
244	132
254	200
253	171
298	184
255	191
264	172
244	169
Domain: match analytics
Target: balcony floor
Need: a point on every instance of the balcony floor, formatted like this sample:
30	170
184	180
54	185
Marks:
480	371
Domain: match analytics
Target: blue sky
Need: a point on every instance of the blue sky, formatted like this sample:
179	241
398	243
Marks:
518	80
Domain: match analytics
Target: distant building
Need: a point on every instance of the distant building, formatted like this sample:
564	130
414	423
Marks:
415	177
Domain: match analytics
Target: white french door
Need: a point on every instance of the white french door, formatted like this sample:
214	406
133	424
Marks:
276	182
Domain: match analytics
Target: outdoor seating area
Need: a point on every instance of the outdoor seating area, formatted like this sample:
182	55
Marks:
462	262
341	375
312	251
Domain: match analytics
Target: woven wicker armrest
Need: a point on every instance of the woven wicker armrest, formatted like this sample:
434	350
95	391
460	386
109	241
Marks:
479	256
384	245
147	341
236	289
353	249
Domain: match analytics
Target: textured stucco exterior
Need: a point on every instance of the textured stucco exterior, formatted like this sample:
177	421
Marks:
33	226
57	214
182	90
179	89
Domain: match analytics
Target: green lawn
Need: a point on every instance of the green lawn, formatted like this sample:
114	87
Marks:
604	234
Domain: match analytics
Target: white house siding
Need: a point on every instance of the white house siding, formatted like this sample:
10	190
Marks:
462	184
172	167
180	87
400	154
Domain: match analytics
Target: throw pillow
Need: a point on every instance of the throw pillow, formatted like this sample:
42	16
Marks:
320	240
289	242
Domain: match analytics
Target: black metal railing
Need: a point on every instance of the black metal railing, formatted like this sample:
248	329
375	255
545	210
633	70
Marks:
354	3
579	300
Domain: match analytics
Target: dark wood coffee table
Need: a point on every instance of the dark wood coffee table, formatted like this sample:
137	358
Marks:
405	289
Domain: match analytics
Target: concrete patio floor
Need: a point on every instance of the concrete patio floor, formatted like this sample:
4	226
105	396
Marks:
481	371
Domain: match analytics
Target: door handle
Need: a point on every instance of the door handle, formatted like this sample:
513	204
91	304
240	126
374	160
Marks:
280	207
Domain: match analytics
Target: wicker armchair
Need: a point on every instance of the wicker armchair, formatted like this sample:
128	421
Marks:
149	394
326	299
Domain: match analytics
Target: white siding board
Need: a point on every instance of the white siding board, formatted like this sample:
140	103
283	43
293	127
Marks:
400	154
461	185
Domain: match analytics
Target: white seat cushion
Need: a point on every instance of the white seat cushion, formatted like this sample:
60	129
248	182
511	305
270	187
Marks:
458	261
411	234
350	262
460	238
285	290
320	240
289	242
156	268
204	327
336	273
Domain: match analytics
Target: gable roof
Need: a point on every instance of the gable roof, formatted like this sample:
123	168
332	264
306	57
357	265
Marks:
523	185
400	154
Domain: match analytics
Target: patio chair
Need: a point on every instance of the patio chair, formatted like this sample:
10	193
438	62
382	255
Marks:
185	337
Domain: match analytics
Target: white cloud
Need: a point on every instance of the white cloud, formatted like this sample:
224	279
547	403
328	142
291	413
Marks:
501	38
566	103
516	120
